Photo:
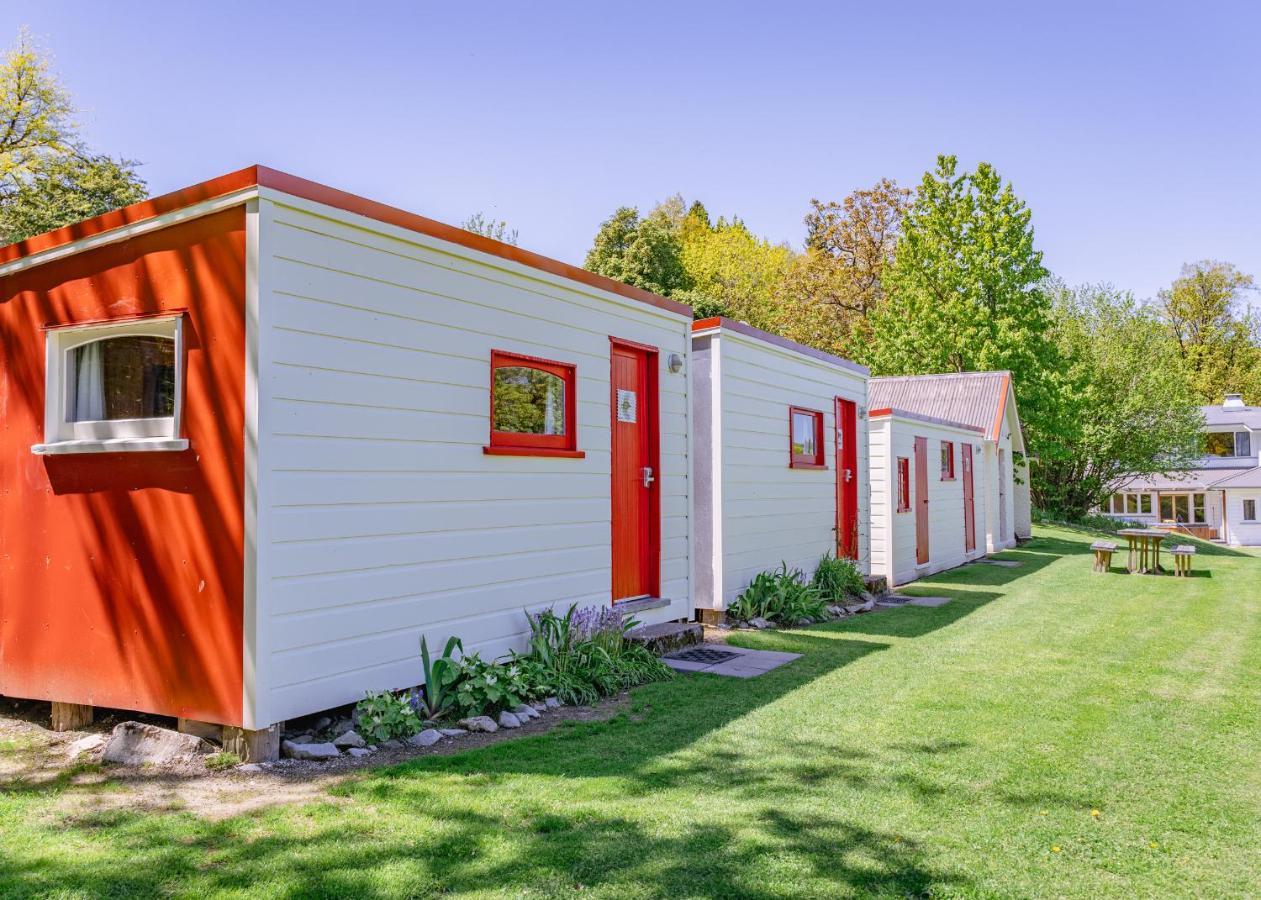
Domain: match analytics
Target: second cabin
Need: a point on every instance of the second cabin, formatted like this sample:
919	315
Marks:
780	459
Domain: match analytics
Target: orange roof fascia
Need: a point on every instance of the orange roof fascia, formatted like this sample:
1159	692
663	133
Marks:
264	177
1002	408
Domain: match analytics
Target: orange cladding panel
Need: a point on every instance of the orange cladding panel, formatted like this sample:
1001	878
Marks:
121	574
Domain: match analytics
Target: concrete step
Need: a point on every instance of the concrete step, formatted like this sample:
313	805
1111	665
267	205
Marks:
668	636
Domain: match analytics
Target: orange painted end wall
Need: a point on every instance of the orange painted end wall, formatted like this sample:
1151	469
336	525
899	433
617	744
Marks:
121	574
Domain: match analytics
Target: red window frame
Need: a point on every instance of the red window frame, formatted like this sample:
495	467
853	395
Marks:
948	461
817	460
511	443
904	484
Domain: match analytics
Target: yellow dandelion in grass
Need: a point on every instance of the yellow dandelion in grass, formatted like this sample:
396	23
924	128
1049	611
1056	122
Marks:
1153	845
1042	812
1055	849
1095	813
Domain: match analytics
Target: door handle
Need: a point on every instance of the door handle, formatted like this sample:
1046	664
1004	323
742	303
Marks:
649	478
849	476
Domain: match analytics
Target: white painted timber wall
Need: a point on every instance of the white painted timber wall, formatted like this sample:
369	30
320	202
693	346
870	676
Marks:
759	511
1240	532
379	519
893	532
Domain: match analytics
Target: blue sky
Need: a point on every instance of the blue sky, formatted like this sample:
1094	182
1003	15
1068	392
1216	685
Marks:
1132	130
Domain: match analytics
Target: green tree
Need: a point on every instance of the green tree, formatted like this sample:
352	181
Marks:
495	229
964	292
644	252
731	269
48	177
1216	338
1123	410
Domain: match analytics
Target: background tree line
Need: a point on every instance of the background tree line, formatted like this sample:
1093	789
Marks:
947	278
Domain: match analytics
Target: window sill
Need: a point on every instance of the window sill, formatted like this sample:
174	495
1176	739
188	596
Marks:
534	451
951	478
112	445
640	604
802	465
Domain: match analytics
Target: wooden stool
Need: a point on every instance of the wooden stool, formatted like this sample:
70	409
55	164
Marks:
1103	555
1182	555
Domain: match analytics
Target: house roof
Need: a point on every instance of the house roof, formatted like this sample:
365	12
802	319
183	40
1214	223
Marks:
1198	480
1222	416
244	183
976	399
920	417
702	326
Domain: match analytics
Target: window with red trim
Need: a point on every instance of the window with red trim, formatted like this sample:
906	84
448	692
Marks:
533	405
947	461
904	484
805	438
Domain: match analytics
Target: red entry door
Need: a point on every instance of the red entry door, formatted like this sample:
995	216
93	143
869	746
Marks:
846	416
921	500
636	477
969	501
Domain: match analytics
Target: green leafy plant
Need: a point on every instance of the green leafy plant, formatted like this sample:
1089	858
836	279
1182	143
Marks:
779	596
387	715
216	762
486	687
837	580
437	695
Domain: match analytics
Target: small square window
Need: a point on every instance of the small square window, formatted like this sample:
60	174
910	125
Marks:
1250	510
805	428
904	484
532	406
947	461
114	386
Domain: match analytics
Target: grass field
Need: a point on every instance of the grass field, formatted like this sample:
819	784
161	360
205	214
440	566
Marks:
1049	732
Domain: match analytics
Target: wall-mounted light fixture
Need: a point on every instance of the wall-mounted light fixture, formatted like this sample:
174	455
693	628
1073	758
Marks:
674	363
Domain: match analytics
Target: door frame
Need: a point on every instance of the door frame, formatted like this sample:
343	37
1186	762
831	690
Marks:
845	449
968	464
923	522
650	558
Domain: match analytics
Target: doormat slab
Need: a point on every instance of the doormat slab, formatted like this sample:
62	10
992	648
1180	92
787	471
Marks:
723	659
707	655
1005	563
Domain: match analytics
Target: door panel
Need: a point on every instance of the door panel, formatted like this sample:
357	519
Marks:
635	472
921	500
969	501
1002	495
846	422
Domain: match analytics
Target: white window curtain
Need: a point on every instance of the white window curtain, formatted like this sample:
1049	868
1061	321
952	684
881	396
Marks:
89	384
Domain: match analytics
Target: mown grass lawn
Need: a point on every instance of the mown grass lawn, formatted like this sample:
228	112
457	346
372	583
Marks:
1050	732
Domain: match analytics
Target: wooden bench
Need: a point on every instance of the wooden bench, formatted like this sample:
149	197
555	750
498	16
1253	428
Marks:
1103	554
1182	555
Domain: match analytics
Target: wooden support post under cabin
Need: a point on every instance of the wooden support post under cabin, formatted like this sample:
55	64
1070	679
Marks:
71	716
262	745
207	730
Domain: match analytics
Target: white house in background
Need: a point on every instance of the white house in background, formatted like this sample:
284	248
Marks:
929	501
1220	498
780	459
984	400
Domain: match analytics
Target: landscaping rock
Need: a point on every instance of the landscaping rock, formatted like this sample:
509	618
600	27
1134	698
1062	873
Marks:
805	620
426	738
552	702
539	707
359	752
392	744
134	743
667	637
349	739
524	711
89	744
302	737
868	598
452	732
322	723
479	723
309	751
508	720
759	623
249	768
836	610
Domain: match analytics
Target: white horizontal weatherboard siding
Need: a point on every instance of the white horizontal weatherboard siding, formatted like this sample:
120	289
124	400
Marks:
379	517
893	543
762	512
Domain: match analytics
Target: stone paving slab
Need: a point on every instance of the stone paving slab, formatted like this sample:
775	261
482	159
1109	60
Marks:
1005	563
746	664
928	601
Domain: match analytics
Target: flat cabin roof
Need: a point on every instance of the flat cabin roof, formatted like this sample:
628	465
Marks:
237	187
702	327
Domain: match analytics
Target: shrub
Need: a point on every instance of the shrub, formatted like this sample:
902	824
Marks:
437	694
779	596
484	688
387	715
837	580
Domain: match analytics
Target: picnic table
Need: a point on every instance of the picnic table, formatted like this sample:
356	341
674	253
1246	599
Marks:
1144	549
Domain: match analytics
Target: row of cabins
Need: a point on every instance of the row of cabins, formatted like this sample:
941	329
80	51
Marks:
260	435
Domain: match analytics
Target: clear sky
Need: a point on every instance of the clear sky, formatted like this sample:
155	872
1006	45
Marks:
1133	130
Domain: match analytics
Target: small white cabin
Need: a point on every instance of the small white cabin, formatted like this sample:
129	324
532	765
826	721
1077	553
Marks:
780	459
929	499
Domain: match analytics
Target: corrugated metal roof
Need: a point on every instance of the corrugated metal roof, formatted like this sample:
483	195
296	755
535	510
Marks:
977	399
